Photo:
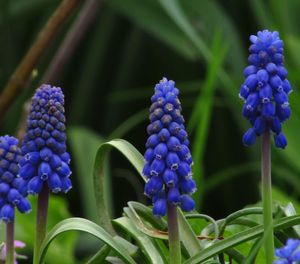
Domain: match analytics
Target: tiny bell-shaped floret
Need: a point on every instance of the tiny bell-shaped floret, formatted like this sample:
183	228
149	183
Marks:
44	148
266	88
290	253
167	157
13	190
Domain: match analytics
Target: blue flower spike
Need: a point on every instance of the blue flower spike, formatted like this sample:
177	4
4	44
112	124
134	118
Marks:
167	157
266	88
13	189
290	253
45	158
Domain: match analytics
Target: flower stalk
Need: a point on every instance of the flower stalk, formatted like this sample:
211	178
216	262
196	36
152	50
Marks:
173	234
267	197
10	249
41	222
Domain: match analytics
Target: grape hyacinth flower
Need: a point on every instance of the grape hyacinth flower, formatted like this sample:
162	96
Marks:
46	160
290	253
167	158
266	88
13	189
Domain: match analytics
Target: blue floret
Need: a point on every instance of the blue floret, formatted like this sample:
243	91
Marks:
290	253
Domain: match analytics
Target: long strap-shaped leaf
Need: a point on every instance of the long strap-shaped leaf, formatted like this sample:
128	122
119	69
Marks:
135	158
188	237
81	224
239	238
143	240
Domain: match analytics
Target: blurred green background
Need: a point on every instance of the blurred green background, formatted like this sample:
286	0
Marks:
129	46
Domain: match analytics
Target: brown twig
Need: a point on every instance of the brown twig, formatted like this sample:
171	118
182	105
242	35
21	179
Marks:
86	17
18	79
73	38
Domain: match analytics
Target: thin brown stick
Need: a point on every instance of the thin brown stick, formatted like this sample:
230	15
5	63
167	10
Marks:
19	78
79	28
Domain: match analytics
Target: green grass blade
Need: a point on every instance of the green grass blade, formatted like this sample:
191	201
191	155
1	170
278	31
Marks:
187	235
128	124
144	241
239	238
151	17
201	115
173	9
138	223
146	214
100	256
84	144
80	224
135	158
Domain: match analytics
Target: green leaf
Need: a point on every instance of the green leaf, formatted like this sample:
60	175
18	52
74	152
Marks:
239	238
201	115
128	124
100	256
144	241
187	235
84	144
152	18
138	223
174	10
238	214
207	218
206	16
261	13
62	250
135	158
80	224
146	214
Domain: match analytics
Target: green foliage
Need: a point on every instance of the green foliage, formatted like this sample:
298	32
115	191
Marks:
150	233
84	145
62	250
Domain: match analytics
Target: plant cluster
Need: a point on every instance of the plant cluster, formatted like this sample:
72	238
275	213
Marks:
169	230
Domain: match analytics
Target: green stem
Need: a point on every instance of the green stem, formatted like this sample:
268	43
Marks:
41	222
10	249
173	233
267	197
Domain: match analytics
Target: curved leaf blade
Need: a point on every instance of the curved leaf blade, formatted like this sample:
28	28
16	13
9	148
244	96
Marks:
239	238
144	241
81	224
135	158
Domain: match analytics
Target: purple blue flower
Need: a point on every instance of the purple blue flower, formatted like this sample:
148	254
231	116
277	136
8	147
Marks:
45	157
13	189
290	253
266	88
167	157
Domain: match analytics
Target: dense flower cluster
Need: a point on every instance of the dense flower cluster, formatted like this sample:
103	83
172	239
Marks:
167	158
44	148
290	253
12	188
266	88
